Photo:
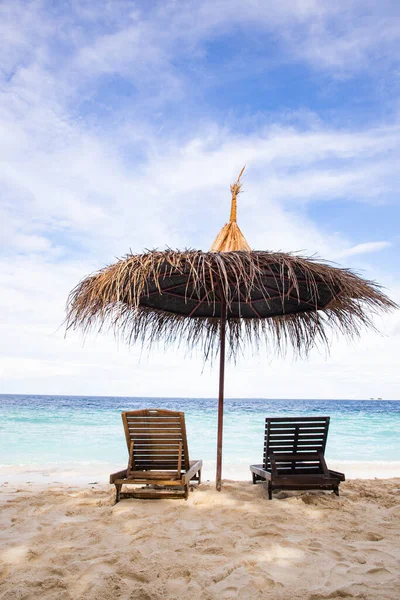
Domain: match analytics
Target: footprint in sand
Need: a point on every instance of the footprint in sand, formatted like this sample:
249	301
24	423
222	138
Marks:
374	537
379	573
96	584
358	535
315	547
133	575
213	550
176	587
336	594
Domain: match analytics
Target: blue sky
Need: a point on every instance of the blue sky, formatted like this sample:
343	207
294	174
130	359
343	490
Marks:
122	125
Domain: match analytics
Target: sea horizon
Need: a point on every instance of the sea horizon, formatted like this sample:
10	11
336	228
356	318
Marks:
183	398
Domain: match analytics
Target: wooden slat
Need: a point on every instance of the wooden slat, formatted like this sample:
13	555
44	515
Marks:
164	446
296	469
173	447
156	436
152	451
154	443
296	466
285	420
277	443
319	430
163	439
156	465
308	464
288	463
301	435
292	444
154	422
154	474
292	447
167	460
286	436
293	440
150	494
156	458
132	417
156	428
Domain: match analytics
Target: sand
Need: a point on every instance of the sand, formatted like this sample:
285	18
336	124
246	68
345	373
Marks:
60	542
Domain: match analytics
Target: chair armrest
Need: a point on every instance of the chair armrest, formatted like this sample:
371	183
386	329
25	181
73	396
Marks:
272	460
186	477
119	475
323	464
131	461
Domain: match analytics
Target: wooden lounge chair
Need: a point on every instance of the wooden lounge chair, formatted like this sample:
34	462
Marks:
158	456
294	450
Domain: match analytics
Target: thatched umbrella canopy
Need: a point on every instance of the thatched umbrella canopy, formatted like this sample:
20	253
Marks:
231	293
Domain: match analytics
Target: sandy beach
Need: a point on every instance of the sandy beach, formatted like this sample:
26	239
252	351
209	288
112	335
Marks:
61	542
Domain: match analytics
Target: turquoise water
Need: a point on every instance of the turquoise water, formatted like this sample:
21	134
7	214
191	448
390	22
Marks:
74	432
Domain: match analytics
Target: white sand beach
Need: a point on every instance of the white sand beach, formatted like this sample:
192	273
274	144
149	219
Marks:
60	542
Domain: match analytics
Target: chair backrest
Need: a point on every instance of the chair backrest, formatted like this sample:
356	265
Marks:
295	435
156	435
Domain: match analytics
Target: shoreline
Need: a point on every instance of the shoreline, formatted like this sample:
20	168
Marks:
86	473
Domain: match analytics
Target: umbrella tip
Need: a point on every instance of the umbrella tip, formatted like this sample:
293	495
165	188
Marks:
235	191
230	238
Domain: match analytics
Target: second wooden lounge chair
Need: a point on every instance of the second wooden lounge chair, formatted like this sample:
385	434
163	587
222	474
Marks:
294	459
158	456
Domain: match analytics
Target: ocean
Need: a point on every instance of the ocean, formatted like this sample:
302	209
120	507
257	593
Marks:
80	438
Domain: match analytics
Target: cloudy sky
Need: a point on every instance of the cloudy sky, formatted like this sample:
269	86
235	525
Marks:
122	124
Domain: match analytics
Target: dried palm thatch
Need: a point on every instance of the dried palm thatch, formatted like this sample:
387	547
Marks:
172	296
279	298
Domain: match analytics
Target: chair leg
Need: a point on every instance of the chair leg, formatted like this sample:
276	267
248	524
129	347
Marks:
186	491
254	478
336	490
118	487
269	490
199	476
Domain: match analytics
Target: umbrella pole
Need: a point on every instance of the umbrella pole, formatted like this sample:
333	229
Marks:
221	393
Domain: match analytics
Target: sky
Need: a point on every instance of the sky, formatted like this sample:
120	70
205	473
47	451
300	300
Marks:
122	124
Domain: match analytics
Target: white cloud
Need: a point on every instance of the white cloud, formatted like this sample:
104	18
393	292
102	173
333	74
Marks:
83	41
341	38
364	248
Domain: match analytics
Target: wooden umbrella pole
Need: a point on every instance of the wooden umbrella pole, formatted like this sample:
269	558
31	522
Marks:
221	393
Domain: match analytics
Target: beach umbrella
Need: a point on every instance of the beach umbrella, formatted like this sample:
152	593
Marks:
225	299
